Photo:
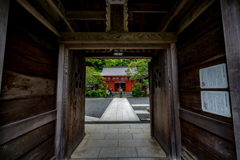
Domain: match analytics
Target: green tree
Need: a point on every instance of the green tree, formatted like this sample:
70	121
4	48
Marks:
138	69
93	78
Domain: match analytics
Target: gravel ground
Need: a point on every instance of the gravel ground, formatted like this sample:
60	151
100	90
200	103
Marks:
140	100
95	107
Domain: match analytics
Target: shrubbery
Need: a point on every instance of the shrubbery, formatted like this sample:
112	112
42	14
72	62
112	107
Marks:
95	93
136	92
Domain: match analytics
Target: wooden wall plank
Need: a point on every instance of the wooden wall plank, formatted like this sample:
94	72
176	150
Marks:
215	126
17	86
24	126
41	151
231	26
19	146
204	145
201	45
26	107
4	8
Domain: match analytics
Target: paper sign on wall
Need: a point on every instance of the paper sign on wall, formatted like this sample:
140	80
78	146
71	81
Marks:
216	102
213	77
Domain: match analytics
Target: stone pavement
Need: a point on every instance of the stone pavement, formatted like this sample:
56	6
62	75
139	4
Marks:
118	142
119	110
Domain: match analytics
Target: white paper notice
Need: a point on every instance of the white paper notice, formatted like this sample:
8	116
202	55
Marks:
213	77
216	102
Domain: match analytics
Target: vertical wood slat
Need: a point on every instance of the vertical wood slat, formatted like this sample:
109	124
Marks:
176	101
60	102
170	102
231	29
150	95
4	8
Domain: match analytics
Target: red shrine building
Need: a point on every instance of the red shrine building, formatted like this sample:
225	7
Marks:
116	77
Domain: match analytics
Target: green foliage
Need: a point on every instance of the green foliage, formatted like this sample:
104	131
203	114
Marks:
136	92
98	64
95	93
140	68
93	78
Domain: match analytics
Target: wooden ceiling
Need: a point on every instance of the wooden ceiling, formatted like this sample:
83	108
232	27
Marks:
90	15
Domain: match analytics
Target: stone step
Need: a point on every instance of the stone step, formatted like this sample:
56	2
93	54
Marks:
140	106
142	114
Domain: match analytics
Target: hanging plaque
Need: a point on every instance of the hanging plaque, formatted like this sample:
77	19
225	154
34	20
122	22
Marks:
216	102
213	77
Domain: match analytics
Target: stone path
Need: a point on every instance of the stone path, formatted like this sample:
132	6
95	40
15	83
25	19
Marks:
118	142
119	110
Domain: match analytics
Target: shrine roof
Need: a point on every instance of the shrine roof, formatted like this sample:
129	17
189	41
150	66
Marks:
114	71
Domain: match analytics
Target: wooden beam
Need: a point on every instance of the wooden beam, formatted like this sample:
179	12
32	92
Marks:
176	101
193	14
16	129
61	103
60	11
38	16
171	15
118	37
116	46
231	29
212	125
101	15
147	7
86	15
125	55
4	8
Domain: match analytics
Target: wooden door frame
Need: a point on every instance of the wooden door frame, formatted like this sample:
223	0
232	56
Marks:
4	12
230	10
79	41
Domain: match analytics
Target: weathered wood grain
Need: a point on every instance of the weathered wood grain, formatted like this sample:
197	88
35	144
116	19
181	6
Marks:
18	63
171	15
204	145
40	151
4	7
60	11
231	29
75	111
195	12
117	37
38	16
176	100
215	126
19	146
117	46
61	90
17	86
25	108
24	126
162	109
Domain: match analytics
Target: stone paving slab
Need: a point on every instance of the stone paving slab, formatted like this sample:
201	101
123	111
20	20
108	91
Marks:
122	142
119	110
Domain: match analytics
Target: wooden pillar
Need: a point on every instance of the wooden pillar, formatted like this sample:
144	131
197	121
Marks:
151	94
4	9
61	102
231	29
175	96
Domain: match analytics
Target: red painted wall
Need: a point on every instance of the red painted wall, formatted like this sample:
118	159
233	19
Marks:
128	86
112	85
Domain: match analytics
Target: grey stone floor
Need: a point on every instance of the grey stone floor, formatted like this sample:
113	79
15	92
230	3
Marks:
118	141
